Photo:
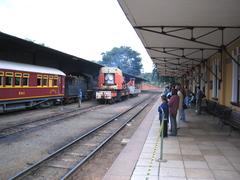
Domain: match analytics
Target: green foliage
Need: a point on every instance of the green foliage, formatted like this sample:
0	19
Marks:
124	58
167	80
147	76
155	75
151	77
156	79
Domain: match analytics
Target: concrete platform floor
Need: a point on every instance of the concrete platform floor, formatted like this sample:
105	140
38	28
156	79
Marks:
201	151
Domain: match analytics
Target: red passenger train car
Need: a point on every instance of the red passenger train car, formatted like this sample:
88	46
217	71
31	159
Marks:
25	85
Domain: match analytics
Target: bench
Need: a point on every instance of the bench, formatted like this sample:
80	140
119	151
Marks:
218	111
233	121
211	105
224	114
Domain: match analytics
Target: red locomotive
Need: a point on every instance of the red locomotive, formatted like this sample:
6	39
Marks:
25	85
112	87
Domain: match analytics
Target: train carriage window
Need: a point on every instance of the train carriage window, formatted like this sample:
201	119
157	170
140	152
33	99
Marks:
25	80
45	81
55	81
50	83
9	79
1	78
17	79
39	80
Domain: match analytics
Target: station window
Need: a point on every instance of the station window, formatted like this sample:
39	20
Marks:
39	80
55	81
1	78
236	80
215	81
17	79
9	79
45	81
25	80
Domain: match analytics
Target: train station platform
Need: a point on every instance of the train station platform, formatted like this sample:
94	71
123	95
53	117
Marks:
201	151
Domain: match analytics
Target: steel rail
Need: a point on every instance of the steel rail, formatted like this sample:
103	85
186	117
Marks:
19	128
43	118
70	173
35	166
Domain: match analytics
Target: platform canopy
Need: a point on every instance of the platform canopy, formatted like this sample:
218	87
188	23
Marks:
180	34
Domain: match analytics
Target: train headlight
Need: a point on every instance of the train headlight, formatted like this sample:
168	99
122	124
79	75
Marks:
109	79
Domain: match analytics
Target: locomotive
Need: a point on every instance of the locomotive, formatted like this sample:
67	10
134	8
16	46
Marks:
25	85
74	83
112	86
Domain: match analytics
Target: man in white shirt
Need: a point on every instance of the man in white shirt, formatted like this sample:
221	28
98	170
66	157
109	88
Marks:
181	112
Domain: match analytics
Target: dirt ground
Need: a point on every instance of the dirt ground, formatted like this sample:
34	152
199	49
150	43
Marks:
96	168
18	152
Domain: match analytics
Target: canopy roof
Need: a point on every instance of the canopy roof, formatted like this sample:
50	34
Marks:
180	34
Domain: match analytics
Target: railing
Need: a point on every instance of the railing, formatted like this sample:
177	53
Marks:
161	139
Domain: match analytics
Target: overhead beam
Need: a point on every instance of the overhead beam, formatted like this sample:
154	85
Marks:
175	36
186	48
177	68
191	28
175	55
166	62
173	59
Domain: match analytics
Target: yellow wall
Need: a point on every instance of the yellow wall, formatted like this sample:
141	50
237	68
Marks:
228	84
225	93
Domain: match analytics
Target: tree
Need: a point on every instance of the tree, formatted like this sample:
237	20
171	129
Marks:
155	75
157	79
124	58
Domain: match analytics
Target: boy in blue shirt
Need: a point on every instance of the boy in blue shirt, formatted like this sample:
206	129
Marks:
163	115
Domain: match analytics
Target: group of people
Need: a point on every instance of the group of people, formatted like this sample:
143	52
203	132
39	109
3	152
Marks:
174	103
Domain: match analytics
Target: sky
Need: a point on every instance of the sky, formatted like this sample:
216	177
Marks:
83	28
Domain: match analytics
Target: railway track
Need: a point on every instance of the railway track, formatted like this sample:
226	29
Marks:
37	123
65	161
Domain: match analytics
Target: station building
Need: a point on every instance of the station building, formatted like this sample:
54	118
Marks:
197	42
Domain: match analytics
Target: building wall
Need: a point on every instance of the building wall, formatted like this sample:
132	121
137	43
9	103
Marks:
228	84
225	91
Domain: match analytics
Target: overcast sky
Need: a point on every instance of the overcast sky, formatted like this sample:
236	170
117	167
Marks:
84	28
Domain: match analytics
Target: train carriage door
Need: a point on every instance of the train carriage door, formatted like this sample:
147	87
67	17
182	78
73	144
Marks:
61	84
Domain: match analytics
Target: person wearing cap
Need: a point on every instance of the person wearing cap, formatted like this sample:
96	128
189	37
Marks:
163	114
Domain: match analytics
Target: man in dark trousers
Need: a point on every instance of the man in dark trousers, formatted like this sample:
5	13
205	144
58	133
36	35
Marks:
79	98
199	96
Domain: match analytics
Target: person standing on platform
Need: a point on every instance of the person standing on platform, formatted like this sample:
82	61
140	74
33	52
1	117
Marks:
79	98
164	114
173	107
187	98
181	110
199	96
166	91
